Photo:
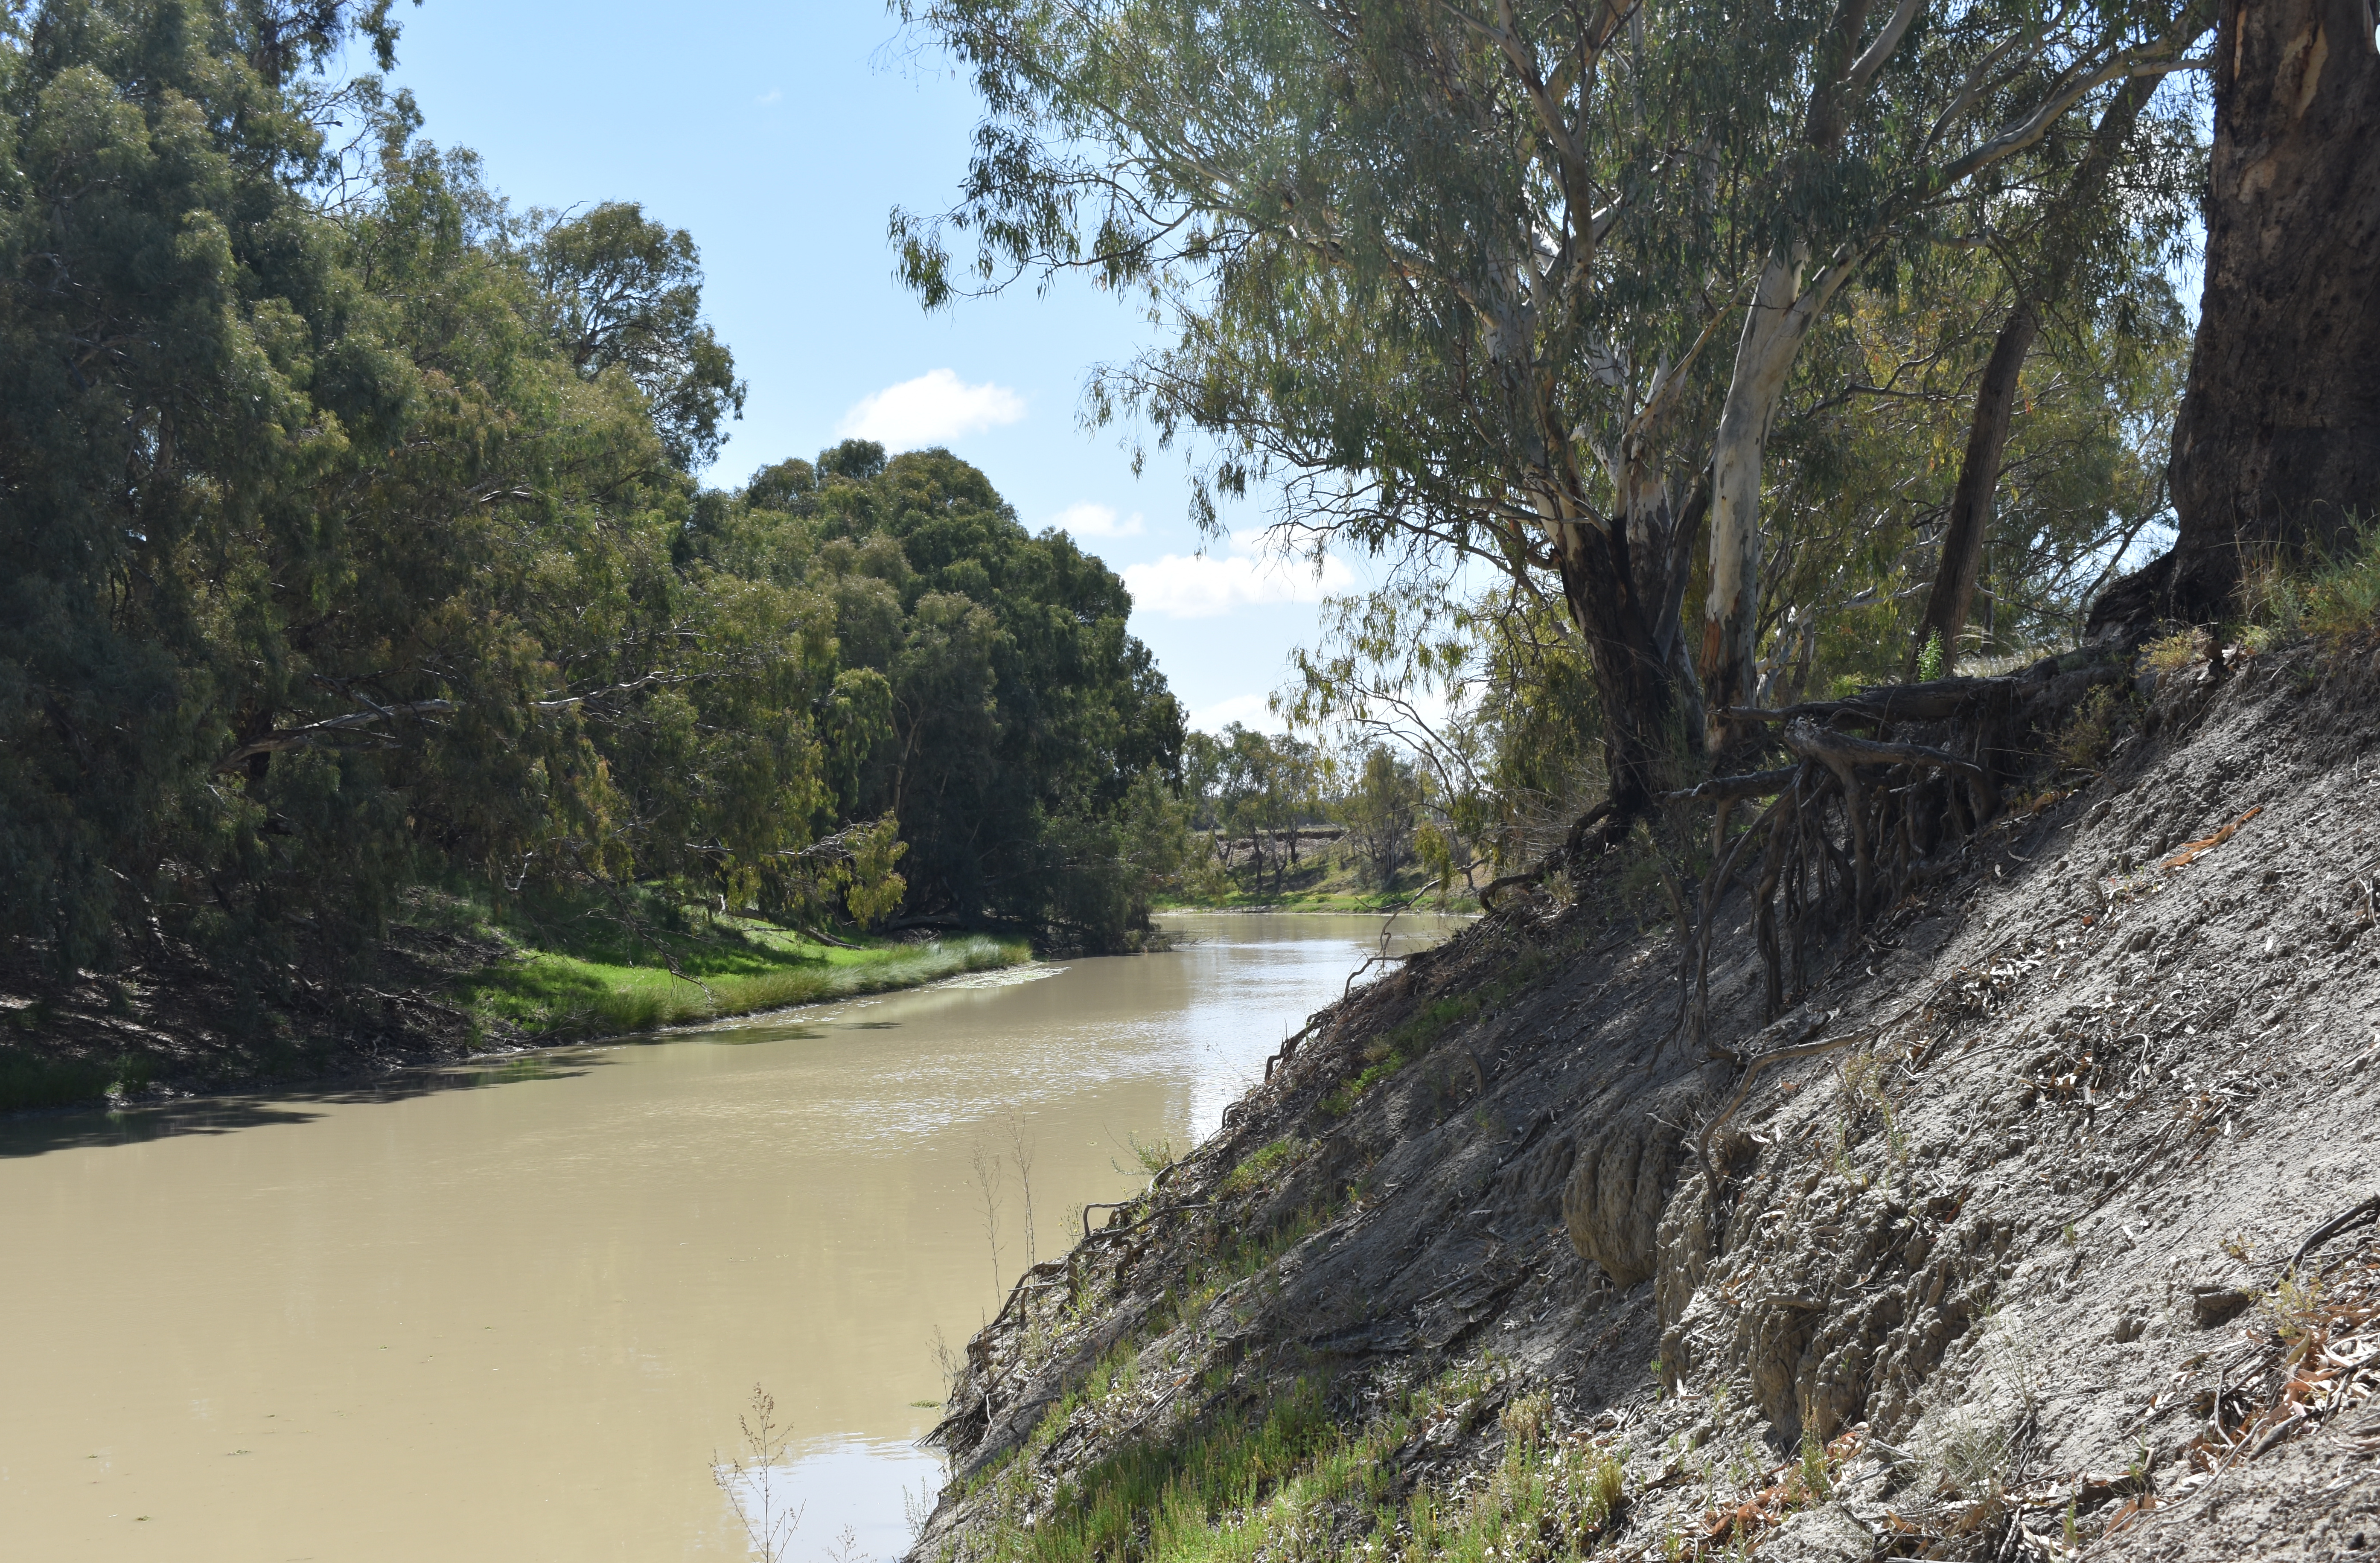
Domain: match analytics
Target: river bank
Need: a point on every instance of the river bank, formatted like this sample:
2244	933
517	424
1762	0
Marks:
2021	1245
451	982
1355	904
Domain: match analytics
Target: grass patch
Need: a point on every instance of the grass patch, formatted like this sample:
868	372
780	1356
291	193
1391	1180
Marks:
1285	1479
575	972
1193	1497
2333	599
1260	1165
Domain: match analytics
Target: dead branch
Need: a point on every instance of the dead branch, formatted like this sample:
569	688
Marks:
2364	1215
313	733
1729	788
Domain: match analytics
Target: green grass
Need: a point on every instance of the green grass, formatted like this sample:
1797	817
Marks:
584	975
1284	1479
2335	599
1178	1499
1258	1166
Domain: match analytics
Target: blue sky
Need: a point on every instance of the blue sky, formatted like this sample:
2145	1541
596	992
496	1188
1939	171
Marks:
780	136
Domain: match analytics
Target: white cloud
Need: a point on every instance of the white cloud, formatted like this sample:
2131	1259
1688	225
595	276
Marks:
935	406
1088	520
775	94
1203	586
1248	710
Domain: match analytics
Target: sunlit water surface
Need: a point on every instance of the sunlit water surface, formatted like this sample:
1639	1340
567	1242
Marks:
514	1313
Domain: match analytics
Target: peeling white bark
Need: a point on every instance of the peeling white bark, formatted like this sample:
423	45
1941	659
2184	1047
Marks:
1775	324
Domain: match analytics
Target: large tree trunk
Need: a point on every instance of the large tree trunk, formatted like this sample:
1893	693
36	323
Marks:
1778	317
1661	537
1645	746
1954	596
2279	439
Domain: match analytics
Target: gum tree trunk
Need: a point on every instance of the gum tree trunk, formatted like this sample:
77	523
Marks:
1645	746
2278	438
1780	315
1953	596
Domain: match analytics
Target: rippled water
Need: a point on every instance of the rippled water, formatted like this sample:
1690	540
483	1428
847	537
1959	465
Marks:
513	1313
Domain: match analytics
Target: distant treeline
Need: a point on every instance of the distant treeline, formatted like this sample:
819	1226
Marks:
353	545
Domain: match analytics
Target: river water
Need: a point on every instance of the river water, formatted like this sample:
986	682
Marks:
513	1313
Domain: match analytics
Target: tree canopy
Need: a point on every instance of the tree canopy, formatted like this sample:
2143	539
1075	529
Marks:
1464	279
356	545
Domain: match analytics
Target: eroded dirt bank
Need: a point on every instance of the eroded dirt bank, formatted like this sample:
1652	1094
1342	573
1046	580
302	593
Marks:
1997	1265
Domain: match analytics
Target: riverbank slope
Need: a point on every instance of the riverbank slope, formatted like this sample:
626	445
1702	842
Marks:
1993	1251
450	981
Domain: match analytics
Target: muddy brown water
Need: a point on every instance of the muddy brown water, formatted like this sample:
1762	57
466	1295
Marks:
513	1313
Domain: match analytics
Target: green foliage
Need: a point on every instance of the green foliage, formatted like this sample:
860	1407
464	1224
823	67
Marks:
1929	660
623	294
30	1080
1815	1483
2174	652
354	546
1382	812
1253	786
1151	1156
989	697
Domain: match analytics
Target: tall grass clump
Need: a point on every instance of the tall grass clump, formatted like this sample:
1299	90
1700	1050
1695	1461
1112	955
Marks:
2334	598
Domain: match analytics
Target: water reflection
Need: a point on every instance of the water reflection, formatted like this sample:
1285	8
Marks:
35	1134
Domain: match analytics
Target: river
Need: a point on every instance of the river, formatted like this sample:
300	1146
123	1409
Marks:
514	1311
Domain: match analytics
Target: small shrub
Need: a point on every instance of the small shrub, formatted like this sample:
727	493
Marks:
1929	660
1607	1483
2343	599
1525	1419
2296	1305
1815	1484
2173	653
2334	597
1261	1165
2090	734
1154	1155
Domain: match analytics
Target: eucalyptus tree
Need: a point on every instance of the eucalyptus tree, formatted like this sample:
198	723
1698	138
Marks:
623	292
1382	811
1437	268
2072	241
1448	268
1874	133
